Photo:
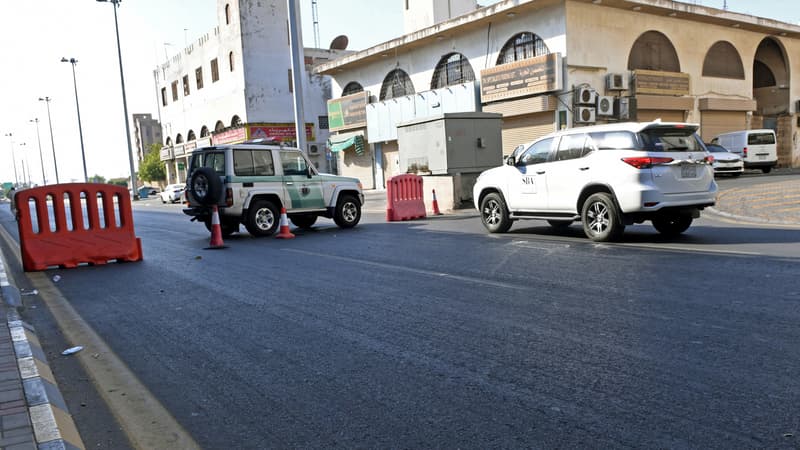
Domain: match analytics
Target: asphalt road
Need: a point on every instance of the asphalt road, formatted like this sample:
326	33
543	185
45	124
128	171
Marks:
434	334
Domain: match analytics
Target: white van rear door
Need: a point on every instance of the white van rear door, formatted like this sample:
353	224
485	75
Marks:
761	146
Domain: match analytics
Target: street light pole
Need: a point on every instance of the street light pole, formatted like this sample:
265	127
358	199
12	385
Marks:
74	61
39	140
52	141
115	3
13	158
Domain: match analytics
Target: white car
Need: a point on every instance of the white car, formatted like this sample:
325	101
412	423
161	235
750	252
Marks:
725	162
172	193
606	176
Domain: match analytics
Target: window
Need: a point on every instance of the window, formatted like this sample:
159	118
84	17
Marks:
228	14
654	51
323	122
214	70
253	163
185	85
291	84
396	84
723	61
198	77
760	138
219	126
216	161
615	140
352	88
163	96
293	164
204	131
572	146
230	60
539	152
174	91
452	69
190	136
522	46
670	139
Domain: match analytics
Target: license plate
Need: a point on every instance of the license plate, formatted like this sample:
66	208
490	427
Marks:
689	171
762	156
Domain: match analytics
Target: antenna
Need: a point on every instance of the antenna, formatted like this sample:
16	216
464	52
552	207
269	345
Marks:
315	17
725	5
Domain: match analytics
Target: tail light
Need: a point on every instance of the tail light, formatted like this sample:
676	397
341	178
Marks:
229	197
744	152
646	162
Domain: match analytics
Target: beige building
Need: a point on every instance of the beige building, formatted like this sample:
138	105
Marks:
550	64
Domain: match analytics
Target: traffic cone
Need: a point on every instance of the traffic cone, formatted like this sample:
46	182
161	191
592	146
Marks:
284	232
216	231
436	211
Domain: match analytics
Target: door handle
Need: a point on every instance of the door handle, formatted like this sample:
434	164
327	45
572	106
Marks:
540	172
583	168
247	184
289	183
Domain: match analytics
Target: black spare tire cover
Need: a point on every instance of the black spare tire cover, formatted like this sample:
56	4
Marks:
205	186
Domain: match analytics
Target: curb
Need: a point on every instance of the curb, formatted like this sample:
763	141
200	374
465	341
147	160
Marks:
52	425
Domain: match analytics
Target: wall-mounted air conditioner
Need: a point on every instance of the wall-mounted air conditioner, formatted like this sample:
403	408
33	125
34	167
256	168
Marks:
585	114
585	96
625	108
605	105
617	82
313	149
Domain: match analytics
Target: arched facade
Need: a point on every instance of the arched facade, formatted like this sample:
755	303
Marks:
653	51
771	78
396	84
219	126
179	139
236	121
453	68
522	46
723	61
190	135
204	131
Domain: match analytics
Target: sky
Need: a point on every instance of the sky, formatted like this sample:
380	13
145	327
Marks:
36	34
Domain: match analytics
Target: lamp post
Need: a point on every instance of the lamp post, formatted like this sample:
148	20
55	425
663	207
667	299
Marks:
39	140
52	141
74	61
13	158
116	3
26	174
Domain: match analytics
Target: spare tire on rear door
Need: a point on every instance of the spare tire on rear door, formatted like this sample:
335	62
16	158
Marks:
205	186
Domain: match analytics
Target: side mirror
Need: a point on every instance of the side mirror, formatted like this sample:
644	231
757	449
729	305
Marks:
510	160
309	171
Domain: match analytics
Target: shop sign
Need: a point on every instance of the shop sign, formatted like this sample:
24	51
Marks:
283	132
189	146
660	83
348	112
179	150
232	136
166	153
522	78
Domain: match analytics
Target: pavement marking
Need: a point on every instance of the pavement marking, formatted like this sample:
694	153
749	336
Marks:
145	422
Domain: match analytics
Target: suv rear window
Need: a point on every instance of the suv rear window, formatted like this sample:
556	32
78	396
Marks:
670	139
760	138
253	163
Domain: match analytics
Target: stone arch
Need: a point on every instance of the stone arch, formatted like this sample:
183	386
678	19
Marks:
352	87
522	46
771	79
236	121
190	136
204	131
179	139
169	142
219	126
453	68
653	51
723	61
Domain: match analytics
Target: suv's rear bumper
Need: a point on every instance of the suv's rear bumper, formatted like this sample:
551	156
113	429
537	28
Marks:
197	211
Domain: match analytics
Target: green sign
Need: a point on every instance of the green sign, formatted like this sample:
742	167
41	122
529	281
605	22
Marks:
181	166
7	186
348	112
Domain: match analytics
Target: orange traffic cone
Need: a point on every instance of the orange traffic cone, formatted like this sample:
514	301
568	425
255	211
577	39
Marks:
216	231
284	232
436	211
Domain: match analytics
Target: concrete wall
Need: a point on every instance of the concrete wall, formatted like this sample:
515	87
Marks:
419	14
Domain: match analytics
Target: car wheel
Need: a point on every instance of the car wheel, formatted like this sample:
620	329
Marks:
348	212
263	218
494	214
560	224
766	169
672	225
304	221
205	186
601	218
228	227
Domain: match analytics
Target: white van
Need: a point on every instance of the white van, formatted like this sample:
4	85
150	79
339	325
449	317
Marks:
757	147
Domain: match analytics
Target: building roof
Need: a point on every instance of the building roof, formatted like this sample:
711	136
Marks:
505	10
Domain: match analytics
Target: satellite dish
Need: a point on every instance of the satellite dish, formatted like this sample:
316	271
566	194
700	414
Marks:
339	43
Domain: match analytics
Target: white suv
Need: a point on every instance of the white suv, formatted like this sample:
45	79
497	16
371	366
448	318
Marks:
606	176
250	183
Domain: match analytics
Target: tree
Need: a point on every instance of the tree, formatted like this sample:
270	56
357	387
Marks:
119	181
97	179
152	168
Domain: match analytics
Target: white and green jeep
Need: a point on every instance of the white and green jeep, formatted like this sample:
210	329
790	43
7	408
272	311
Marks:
251	182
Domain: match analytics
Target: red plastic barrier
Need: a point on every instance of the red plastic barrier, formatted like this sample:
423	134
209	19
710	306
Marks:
404	198
54	242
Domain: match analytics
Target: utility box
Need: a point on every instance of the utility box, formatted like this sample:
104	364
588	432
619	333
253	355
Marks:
450	143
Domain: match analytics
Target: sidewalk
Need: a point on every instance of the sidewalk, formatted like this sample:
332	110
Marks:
33	413
770	202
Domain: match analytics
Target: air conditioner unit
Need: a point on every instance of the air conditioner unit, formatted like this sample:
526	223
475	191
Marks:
313	149
625	108
585	114
605	105
617	82
585	96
